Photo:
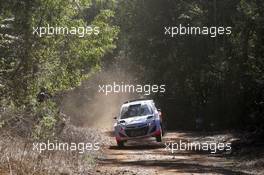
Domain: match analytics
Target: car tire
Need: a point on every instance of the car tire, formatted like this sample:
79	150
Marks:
159	137
120	144
162	129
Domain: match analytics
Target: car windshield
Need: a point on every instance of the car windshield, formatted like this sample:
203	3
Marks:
135	110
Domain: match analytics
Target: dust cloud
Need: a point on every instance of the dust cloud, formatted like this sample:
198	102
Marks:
87	107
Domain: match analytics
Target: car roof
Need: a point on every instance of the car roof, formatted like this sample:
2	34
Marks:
135	102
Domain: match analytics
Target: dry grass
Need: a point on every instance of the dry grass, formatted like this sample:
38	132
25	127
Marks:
18	157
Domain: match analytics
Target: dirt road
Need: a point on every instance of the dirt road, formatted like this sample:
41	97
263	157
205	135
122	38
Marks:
149	157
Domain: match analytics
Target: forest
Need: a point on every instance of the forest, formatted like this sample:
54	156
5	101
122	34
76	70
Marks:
206	56
216	79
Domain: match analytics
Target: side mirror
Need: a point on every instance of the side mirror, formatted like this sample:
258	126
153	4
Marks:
115	118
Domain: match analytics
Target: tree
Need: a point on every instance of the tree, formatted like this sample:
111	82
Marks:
57	62
219	79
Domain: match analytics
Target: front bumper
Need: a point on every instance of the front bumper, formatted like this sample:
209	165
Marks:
142	132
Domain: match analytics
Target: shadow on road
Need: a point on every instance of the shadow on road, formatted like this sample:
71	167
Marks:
152	155
137	147
178	166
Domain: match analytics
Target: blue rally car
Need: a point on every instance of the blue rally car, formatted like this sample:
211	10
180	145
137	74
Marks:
138	119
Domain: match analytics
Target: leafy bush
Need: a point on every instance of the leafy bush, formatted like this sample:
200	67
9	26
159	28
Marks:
47	113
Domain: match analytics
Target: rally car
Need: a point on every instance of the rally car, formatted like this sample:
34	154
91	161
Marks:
138	119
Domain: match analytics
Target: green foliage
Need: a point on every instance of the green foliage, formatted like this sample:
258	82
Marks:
58	62
48	115
217	79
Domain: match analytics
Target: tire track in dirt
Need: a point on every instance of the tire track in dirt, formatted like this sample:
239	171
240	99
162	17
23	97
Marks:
150	157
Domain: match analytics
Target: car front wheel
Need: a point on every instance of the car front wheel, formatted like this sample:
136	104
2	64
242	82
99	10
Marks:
159	137
120	144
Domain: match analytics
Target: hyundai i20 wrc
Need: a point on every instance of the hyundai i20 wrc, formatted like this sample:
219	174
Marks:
138	119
